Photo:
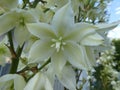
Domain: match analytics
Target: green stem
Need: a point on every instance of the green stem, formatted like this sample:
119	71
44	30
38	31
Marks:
48	61
11	47
14	65
14	55
36	2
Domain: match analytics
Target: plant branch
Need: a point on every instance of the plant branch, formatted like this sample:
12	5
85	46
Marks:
48	61
31	68
11	46
14	54
36	2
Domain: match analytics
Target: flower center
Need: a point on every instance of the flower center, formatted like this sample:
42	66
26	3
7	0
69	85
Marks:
21	21
58	44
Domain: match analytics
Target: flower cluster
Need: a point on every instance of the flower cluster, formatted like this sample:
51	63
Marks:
48	42
106	76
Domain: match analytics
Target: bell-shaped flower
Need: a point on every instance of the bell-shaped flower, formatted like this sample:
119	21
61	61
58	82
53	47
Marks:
39	82
63	40
16	19
12	82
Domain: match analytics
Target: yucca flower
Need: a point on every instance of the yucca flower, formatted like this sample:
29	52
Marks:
15	18
63	40
12	82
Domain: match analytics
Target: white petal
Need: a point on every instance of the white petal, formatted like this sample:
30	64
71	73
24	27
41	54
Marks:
50	74
90	55
107	27
21	34
33	86
7	22
19	82
40	50
6	78
58	61
63	19
39	82
89	58
41	30
26	15
92	40
80	30
67	78
74	54
8	4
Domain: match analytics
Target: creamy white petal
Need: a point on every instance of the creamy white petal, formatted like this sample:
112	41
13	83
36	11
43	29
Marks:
40	50
7	22
26	15
41	30
74	54
18	81
63	20
21	34
89	58
50	74
39	82
6	85
67	78
92	40
90	55
8	4
80	30
107	27
58	61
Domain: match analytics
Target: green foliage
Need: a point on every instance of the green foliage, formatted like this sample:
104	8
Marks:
44	43
92	11
106	73
116	43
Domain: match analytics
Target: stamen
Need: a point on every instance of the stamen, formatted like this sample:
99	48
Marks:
58	44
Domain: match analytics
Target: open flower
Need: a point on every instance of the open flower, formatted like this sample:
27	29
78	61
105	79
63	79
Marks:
12	82
63	41
15	18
